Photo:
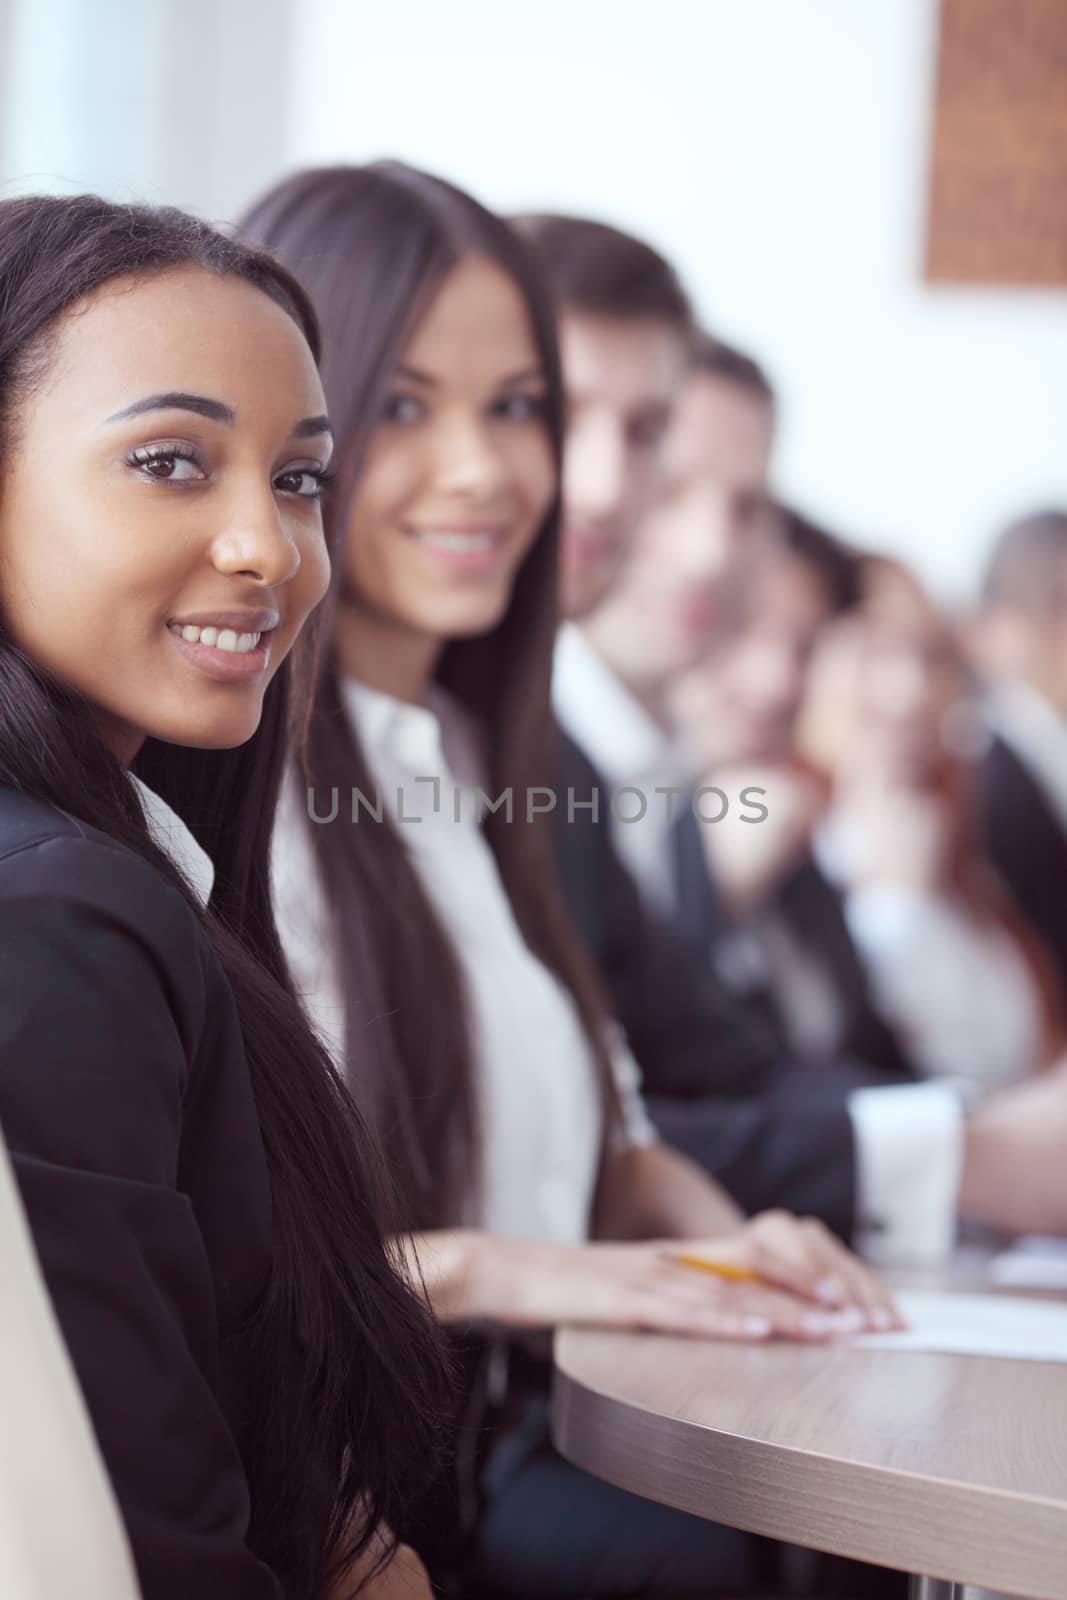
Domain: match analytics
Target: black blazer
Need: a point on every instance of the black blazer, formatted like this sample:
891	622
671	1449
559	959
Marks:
773	1131
126	1102
812	909
1028	847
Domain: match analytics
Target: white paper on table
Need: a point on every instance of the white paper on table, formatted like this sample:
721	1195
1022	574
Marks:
977	1325
1031	1263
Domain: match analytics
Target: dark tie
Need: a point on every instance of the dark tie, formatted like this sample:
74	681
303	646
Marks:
699	917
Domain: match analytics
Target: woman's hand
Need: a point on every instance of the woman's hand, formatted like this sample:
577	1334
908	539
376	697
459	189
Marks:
800	1255
749	858
645	1286
892	834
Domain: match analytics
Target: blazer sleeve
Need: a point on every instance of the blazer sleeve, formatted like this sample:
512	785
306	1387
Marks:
714	1082
777	1149
101	1001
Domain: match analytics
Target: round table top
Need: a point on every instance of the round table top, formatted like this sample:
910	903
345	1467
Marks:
947	1465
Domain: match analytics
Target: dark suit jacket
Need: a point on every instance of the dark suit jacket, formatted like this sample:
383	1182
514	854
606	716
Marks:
126	1102
1028	847
773	1131
812	910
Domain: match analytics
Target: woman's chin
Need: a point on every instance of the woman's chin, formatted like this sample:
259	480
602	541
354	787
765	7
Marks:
217	732
475	616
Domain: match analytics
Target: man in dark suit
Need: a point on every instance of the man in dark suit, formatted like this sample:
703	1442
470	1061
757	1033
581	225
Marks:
844	1139
1023	642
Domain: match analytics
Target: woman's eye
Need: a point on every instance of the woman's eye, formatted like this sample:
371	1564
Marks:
169	466
402	408
308	482
521	408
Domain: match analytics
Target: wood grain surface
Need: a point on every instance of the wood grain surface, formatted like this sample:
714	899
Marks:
952	1466
997	210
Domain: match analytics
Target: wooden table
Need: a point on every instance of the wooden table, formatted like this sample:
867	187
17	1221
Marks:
950	1466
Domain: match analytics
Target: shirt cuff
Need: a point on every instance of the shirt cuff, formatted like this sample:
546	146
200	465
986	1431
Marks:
909	1158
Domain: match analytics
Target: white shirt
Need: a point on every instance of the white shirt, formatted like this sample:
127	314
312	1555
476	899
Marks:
173	837
541	1116
909	1138
60	1529
631	751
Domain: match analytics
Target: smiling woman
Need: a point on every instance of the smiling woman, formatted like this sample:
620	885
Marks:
205	1201
438	958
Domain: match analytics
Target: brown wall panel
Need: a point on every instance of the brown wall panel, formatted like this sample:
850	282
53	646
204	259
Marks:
998	178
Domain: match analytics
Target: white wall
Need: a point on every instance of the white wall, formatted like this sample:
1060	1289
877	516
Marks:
776	150
179	101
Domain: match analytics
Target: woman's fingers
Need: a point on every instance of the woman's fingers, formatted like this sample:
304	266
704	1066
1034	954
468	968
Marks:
836	1278
741	1311
802	1257
863	1287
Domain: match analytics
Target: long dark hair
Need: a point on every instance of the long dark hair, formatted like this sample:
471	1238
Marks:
347	1374
372	246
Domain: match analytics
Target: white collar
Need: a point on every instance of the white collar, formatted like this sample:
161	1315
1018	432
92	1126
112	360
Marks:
602	716
1037	733
434	739
173	837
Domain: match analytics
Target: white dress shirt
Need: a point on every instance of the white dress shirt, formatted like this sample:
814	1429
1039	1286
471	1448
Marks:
541	1114
631	751
60	1529
173	837
909	1138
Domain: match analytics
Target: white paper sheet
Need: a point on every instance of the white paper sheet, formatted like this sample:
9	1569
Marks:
978	1325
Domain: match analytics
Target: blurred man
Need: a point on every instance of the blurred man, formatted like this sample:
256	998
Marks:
669	605
1023	647
829	1138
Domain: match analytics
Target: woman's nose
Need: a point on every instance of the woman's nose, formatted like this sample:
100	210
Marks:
257	544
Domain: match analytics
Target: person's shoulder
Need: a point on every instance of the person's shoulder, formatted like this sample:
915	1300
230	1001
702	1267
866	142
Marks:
48	855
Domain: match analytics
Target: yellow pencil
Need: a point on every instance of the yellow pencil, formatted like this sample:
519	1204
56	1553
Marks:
718	1269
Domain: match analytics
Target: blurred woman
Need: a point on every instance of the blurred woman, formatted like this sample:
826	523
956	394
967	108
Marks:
204	1199
783	937
891	719
417	894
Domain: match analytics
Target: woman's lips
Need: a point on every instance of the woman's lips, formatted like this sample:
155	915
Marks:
225	666
463	547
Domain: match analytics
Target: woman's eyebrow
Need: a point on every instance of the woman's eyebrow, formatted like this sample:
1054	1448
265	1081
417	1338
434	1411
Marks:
528	375
175	400
215	410
310	427
414	375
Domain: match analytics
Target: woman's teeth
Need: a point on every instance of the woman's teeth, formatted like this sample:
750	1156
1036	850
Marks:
219	638
460	543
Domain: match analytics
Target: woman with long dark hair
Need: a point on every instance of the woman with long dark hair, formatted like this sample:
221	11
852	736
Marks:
203	1196
891	720
416	888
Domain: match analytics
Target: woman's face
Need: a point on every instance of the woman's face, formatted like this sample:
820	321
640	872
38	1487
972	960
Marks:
160	530
742	703
457	480
910	677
